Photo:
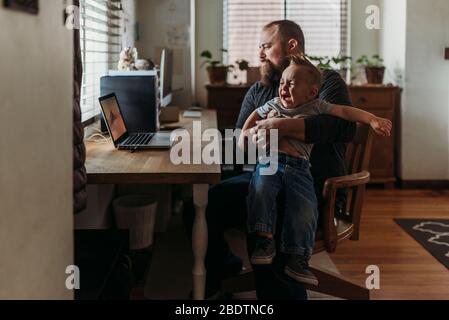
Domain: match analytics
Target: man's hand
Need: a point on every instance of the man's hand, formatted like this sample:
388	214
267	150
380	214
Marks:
381	126
242	143
260	134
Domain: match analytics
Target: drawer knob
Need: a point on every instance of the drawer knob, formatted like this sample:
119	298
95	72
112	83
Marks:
363	100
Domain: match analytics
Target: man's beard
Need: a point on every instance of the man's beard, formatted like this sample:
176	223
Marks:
272	74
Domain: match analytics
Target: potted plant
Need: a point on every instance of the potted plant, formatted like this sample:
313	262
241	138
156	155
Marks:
374	68
218	72
330	63
345	65
242	69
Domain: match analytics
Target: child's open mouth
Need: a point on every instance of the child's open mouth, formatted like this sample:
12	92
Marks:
286	97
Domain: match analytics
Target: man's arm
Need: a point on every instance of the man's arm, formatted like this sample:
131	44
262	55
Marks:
321	129
248	107
249	124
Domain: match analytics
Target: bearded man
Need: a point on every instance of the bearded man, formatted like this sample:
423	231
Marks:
227	200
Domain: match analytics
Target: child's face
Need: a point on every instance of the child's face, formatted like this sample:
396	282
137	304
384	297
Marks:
294	89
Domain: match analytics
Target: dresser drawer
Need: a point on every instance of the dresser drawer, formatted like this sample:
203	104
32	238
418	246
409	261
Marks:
372	99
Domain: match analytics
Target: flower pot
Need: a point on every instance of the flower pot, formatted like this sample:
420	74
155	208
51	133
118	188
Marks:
375	75
218	75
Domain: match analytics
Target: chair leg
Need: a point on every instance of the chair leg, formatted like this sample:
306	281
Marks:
336	285
357	212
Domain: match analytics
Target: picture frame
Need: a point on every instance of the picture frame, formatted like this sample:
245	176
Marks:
28	6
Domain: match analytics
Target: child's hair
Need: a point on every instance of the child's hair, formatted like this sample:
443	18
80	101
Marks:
315	75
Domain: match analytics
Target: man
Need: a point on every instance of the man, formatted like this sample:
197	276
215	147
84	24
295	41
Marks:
227	200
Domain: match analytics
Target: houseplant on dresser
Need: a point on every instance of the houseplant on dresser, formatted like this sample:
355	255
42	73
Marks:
374	68
217	71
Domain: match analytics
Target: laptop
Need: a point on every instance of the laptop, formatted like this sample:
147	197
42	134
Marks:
122	139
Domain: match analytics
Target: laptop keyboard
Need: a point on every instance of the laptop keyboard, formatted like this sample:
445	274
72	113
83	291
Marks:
140	139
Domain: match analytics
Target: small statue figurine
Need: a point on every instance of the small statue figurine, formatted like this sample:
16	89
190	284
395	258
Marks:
128	58
129	61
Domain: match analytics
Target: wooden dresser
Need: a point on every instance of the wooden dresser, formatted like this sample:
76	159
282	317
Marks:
383	101
227	100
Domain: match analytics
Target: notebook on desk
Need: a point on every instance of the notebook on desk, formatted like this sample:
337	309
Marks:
192	114
122	139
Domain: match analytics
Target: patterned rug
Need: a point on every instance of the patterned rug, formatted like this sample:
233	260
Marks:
432	234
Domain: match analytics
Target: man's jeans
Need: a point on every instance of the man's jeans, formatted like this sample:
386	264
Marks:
227	209
300	213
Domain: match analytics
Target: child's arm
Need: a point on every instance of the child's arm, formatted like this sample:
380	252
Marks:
249	124
380	125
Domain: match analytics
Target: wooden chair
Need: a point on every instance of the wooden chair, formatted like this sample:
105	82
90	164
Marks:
334	229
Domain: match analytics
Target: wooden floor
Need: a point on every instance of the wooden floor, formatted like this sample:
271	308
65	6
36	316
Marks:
407	270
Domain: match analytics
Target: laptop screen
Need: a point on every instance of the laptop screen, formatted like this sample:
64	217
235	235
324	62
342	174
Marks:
113	117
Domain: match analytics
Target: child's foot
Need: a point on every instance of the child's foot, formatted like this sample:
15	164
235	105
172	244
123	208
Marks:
298	269
264	252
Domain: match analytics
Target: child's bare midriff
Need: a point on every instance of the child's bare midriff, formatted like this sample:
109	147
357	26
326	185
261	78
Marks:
288	149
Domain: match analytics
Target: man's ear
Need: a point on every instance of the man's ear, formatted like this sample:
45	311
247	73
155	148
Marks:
292	46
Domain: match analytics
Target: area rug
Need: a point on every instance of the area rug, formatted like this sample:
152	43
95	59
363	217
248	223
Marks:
432	234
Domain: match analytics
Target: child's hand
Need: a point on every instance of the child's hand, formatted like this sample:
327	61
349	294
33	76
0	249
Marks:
273	114
381	126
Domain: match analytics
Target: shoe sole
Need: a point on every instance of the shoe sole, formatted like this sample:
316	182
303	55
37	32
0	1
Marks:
300	278
262	260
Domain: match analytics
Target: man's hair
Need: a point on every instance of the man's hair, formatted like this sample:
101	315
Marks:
287	30
315	77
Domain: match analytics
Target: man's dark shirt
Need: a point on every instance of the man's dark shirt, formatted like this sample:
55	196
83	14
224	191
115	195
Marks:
329	134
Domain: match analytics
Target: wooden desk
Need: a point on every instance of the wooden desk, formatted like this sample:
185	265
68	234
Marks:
105	165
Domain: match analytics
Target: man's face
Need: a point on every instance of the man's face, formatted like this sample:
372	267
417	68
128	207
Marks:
272	56
294	88
271	49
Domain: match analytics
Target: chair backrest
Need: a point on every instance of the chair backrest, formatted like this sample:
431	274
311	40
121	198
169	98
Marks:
358	157
340	226
358	153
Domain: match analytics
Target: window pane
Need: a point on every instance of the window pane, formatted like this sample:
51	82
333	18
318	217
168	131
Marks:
244	20
324	23
101	30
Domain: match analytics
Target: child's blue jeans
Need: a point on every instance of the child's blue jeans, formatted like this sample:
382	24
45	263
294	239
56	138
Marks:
294	180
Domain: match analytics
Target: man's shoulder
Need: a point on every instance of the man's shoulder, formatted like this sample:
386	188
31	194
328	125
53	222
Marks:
260	87
331	76
257	87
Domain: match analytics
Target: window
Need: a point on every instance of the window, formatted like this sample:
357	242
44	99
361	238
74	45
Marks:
324	23
101	43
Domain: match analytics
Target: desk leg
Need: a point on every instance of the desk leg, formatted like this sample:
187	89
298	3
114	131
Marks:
199	240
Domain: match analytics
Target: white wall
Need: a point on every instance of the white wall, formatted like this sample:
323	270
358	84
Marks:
209	36
425	116
129	9
363	40
166	23
36	219
392	39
